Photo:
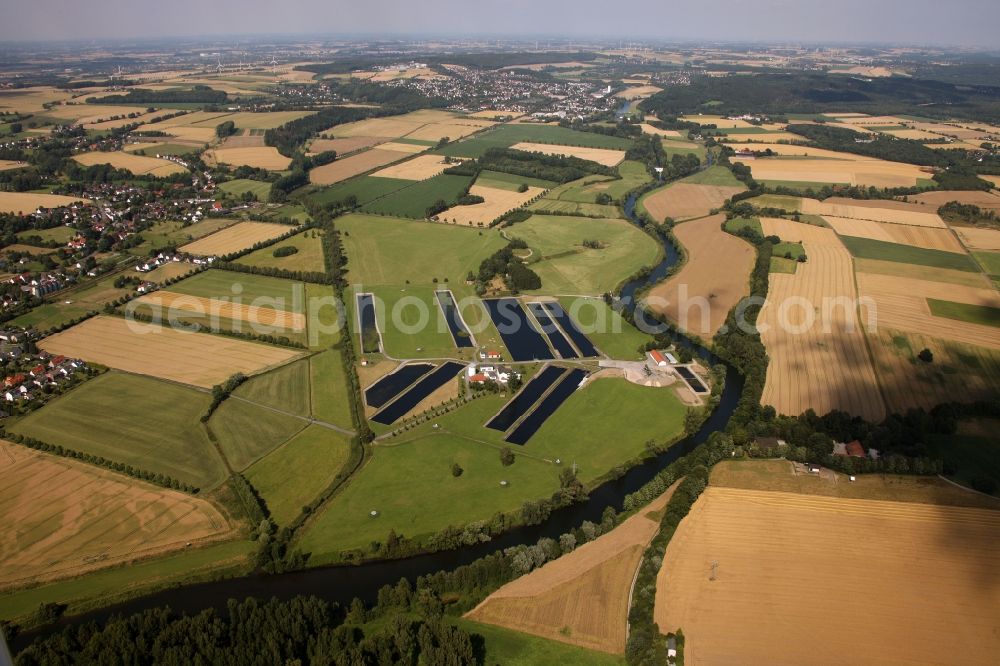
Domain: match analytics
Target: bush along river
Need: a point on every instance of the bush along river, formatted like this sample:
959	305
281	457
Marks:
342	583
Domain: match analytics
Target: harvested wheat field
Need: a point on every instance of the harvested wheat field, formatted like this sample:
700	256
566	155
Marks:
993	179
976	238
408	148
259	157
243	141
580	598
391	126
456	129
250	314
985	200
603	156
810	328
900	304
878	210
736	140
656	131
683	201
28	202
708	247
10	164
718	121
958	369
930	273
873	173
121	122
137	164
420	167
789	149
807	579
927	237
63	518
199	359
497	203
235	238
345	145
342	169
913	134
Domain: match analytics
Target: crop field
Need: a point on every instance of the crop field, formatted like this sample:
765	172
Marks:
253	120
638	92
198	359
868	172
582	597
150	424
235	238
243	141
390	126
901	304
769	542
818	359
865	248
344	146
308	258
497	202
683	201
312	458
380	250
136	164
169	302
892	212
509	181
924	237
64	517
456	129
408	146
363	189
258	290
27	202
567	267
413	201
708	247
409	482
507	135
972	371
356	164
168	233
976	238
259	157
421	167
600	155
986	200
240	186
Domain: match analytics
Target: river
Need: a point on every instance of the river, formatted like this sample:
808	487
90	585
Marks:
343	583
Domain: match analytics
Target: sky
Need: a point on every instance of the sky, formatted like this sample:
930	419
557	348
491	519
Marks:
946	22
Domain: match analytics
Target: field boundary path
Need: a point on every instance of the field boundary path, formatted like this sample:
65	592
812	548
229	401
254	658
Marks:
307	419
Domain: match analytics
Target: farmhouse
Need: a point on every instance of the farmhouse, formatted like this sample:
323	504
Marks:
769	444
490	355
658	358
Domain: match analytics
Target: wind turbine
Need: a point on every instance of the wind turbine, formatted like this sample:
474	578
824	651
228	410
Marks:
274	63
219	67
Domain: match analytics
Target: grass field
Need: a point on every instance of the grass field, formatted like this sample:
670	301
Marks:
513	648
866	248
581	598
567	267
153	425
412	324
975	314
329	395
171	233
409	482
246	432
64	518
765	540
509	181
241	186
972	454
104	587
364	189
308	258
609	332
413	201
72	304
380	250
738	223
285	388
507	135
60	234
294	474
260	290
990	261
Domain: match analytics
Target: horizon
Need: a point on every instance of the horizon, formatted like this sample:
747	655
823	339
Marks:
807	22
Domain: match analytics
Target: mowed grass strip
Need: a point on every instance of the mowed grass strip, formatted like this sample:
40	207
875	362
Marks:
150	424
975	314
297	472
866	248
385	250
246	431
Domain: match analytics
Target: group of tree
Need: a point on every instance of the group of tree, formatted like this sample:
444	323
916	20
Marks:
505	264
197	94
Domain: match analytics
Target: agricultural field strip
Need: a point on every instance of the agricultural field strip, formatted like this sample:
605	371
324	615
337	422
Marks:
813	369
602	156
235	238
931	238
214	307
